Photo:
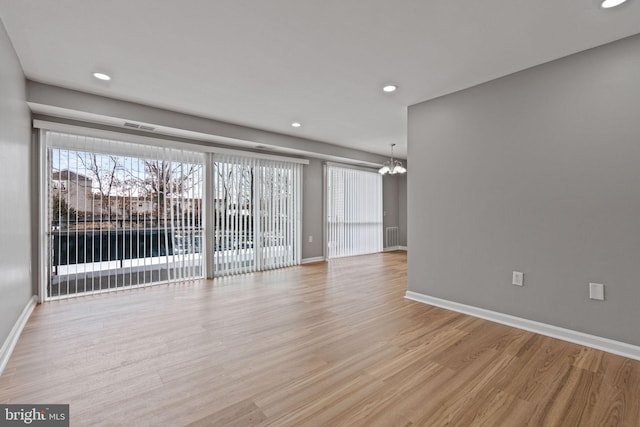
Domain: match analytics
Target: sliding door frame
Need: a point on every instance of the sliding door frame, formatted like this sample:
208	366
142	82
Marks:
43	218
108	238
208	246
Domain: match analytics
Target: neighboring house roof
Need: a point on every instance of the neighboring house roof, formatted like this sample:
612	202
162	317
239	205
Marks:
67	175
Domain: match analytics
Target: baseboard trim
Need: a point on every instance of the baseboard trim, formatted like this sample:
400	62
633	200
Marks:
600	343
11	341
314	259
394	248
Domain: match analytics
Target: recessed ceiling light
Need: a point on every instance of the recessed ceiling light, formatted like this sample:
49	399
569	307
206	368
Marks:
296	124
390	88
606	4
102	76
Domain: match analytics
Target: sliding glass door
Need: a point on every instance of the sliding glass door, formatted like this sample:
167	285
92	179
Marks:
234	206
353	211
257	214
120	215
279	204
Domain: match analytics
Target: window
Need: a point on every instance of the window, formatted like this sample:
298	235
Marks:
257	214
136	215
59	185
101	237
353	211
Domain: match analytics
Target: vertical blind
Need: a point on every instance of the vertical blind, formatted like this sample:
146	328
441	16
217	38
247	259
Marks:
234	215
354	211
121	215
257	208
279	214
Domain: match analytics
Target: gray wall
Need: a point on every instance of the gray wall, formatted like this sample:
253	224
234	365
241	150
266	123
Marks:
312	209
390	202
539	172
394	189
402	208
15	235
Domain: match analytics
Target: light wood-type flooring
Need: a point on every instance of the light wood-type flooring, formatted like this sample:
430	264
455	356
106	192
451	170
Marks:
327	344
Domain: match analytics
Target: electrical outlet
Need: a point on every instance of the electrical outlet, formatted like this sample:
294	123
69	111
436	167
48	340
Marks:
310	239
517	278
596	291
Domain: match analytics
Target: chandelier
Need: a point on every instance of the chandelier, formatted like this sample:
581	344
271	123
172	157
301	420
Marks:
392	166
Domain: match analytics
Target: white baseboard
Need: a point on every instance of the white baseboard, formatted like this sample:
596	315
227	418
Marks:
314	259
11	341
394	248
402	248
604	344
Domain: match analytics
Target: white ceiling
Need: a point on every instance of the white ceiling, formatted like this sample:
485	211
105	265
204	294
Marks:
320	62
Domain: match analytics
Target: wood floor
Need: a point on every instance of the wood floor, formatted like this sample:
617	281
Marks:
332	344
